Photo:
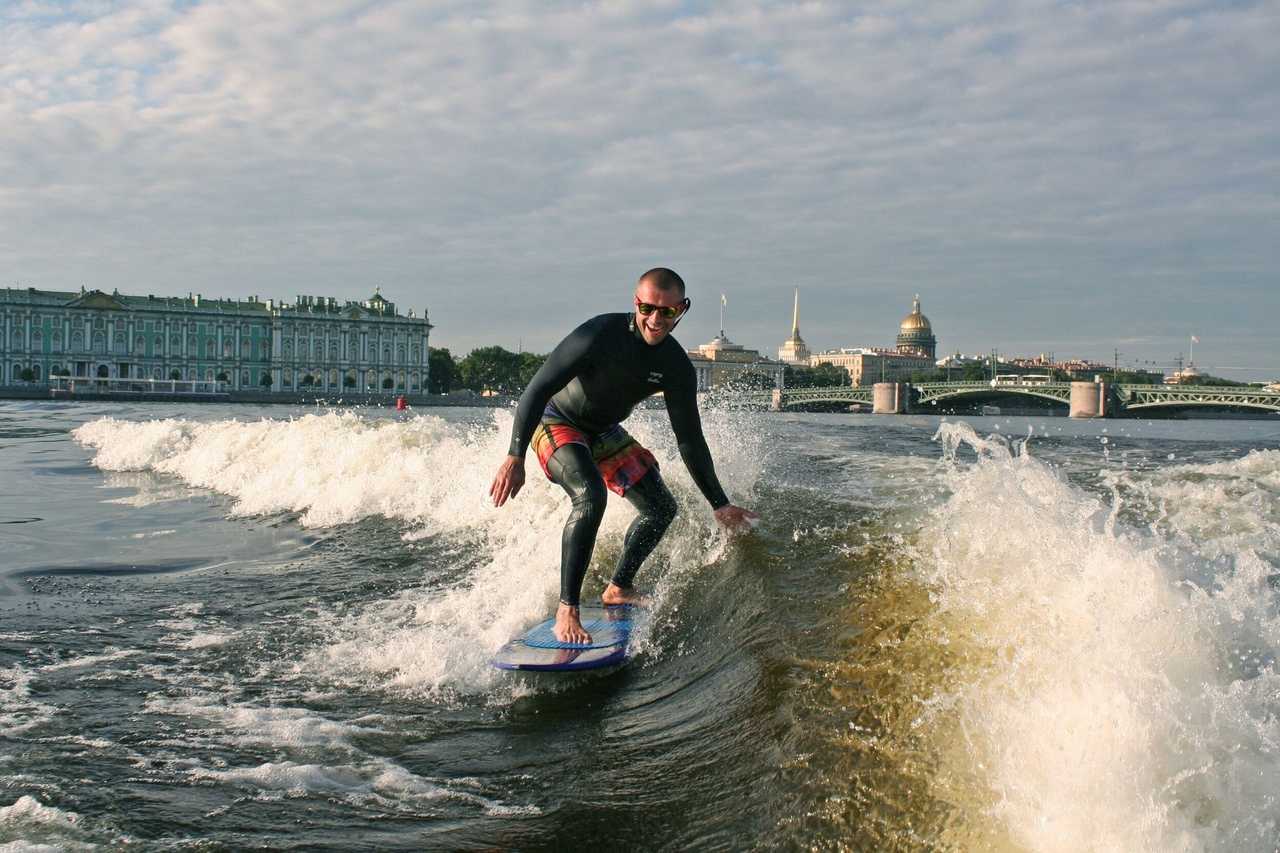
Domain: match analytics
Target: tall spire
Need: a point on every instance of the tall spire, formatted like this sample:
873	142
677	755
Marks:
793	349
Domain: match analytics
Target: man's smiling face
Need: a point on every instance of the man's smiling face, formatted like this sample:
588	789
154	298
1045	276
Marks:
654	327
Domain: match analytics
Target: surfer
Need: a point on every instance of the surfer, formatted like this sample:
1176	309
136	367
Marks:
571	413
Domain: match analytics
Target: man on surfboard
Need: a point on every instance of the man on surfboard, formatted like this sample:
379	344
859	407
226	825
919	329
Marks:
571	413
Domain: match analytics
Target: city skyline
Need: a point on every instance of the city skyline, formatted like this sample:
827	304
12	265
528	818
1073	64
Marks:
1076	179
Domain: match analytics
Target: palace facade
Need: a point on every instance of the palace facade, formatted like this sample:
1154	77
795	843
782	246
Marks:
313	344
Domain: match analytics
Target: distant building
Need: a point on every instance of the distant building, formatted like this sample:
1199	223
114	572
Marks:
793	349
315	343
868	365
1186	376
722	361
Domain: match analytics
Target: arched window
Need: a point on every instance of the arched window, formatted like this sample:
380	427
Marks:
99	343
139	344
414	353
77	340
333	351
122	343
157	373
35	369
37	339
192	344
210	346
244	379
175	342
159	343
246	349
57	340
227	348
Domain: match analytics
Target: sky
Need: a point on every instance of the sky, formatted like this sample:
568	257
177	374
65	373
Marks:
1075	178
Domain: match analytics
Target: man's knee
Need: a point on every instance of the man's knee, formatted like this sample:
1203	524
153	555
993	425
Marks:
664	511
654	500
589	497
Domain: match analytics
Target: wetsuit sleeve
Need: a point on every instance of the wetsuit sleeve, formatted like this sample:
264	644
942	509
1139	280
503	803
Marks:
564	363
682	407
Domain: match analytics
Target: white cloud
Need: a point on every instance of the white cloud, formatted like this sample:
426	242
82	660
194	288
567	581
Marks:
1110	159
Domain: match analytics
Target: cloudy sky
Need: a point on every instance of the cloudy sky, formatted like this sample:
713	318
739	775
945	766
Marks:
1074	177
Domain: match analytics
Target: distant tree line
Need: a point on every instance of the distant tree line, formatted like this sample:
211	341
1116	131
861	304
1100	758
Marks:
491	370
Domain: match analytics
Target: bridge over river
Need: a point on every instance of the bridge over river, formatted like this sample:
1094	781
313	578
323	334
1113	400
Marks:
1082	399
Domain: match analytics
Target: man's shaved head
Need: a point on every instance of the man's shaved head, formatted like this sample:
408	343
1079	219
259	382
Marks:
664	279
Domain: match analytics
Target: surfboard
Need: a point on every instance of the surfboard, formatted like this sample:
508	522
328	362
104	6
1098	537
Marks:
538	649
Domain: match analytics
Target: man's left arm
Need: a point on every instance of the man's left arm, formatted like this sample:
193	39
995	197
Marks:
682	408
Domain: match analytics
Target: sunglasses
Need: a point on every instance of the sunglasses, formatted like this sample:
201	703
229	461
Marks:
665	311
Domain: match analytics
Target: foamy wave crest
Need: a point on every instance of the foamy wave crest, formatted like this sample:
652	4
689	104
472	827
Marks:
1106	708
333	468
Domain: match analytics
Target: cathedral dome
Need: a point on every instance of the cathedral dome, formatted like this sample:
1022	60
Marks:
915	321
915	333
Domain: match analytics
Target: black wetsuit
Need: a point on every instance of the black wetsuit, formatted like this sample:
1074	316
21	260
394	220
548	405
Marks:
594	378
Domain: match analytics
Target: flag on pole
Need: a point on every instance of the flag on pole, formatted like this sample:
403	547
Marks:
1194	339
723	300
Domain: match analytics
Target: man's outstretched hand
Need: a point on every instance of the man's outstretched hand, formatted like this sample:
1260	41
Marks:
735	518
509	480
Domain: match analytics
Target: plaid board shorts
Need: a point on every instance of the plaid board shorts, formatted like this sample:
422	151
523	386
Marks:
621	459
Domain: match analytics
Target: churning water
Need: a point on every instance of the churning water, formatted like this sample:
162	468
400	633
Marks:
254	627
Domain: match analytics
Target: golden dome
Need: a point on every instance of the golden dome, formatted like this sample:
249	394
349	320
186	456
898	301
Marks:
915	321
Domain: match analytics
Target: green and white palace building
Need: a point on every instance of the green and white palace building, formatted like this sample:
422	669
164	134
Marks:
315	344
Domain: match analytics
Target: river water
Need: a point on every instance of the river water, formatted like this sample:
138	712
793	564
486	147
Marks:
237	627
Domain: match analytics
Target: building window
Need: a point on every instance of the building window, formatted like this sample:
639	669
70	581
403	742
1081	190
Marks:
57	340
227	348
122	344
77	341
244	379
139	345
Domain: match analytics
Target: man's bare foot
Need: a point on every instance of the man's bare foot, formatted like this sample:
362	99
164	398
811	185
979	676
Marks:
615	595
568	627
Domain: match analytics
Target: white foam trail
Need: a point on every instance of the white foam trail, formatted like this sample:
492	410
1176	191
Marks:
19	711
1109	714
433	476
375	783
